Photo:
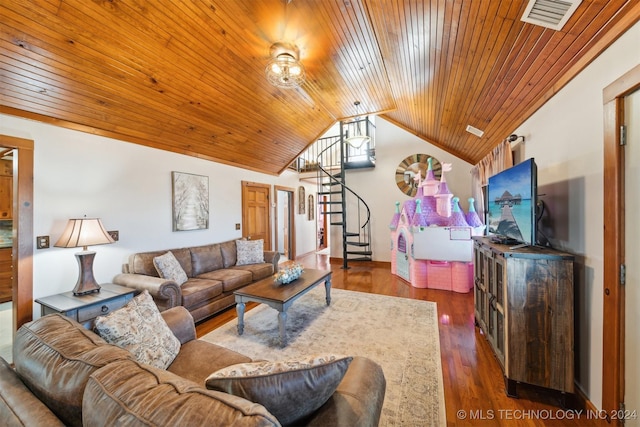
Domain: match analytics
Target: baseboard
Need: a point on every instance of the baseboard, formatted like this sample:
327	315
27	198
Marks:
377	264
582	401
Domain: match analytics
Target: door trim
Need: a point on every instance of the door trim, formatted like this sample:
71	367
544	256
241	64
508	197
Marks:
22	286
613	242
292	222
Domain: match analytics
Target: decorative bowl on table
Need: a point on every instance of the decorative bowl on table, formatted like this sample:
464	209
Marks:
288	274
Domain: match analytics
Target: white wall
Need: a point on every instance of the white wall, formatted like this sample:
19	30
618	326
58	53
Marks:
379	189
566	139
129	187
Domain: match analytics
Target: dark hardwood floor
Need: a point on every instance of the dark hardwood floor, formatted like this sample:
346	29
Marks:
473	381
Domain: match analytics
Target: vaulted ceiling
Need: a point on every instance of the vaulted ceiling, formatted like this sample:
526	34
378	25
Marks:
188	75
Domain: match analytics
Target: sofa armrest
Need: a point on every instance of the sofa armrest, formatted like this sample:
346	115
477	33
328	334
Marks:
181	323
166	293
272	257
358	400
18	406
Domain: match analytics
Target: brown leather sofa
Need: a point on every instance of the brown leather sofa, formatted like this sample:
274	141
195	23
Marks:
67	375
212	277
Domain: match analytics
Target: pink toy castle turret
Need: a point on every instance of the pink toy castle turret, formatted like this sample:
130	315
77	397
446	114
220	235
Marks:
419	218
430	211
457	218
444	196
472	216
430	184
396	217
409	208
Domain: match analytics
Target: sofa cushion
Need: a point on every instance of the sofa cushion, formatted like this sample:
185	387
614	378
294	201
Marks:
142	262
250	251
54	356
229	253
231	279
140	328
291	390
258	271
197	291
133	394
206	258
168	267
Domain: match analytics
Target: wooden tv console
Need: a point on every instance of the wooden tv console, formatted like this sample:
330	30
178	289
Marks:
524	306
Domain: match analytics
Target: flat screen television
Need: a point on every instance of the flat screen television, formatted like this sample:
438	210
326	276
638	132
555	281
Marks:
511	204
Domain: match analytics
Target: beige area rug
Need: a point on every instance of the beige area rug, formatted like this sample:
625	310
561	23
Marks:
400	334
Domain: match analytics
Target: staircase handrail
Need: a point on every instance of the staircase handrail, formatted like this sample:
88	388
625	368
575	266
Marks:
334	179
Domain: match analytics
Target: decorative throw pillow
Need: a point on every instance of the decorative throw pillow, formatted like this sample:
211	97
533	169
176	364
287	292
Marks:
169	268
290	390
140	328
250	251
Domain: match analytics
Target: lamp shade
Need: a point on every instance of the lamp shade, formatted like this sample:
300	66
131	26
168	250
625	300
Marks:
83	232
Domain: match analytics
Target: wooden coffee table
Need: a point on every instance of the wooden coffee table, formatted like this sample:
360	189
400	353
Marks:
280	297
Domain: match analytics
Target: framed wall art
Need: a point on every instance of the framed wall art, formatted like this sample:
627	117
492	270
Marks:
190	201
311	208
302	200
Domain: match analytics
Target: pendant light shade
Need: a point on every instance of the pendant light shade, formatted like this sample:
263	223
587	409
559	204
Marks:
358	138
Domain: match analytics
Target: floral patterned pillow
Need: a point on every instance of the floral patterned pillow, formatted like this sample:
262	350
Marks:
291	390
140	328
250	251
169	268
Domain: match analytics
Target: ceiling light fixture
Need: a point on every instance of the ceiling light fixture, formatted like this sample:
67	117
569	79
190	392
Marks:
359	138
285	70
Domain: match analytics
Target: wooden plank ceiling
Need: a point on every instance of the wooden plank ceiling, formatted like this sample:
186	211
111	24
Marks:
188	75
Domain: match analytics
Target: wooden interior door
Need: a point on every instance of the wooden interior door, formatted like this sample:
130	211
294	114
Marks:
22	215
613	345
256	212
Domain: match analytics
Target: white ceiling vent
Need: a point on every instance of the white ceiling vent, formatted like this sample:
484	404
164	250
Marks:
550	13
477	132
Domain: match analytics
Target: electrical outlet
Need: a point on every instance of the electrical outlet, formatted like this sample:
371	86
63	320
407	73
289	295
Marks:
115	235
42	242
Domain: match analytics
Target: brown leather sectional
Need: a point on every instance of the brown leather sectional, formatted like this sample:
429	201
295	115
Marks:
212	272
67	375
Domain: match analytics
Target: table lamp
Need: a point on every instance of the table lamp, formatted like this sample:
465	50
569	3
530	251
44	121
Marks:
84	232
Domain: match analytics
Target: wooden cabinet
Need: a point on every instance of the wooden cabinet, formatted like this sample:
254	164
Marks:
6	274
524	305
6	189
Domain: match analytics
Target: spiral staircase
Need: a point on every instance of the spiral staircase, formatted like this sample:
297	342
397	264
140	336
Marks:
332	158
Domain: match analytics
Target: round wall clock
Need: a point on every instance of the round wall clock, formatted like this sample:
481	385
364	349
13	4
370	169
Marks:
408	169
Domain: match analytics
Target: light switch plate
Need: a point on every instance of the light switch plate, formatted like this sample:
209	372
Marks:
42	242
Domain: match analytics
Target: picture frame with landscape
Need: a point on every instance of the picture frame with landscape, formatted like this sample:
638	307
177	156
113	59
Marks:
190	201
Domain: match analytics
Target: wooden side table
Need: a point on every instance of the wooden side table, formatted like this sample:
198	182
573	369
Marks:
85	308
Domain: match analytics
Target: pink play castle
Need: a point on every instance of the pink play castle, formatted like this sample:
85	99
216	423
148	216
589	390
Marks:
431	244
